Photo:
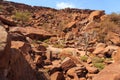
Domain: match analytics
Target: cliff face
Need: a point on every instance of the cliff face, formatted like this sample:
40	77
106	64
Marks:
41	43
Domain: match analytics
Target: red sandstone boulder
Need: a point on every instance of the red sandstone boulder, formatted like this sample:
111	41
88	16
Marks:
57	76
69	26
4	53
100	47
7	21
116	55
96	15
67	64
31	32
4	48
113	37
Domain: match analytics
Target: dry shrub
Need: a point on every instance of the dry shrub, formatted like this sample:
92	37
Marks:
1	8
22	16
111	23
114	17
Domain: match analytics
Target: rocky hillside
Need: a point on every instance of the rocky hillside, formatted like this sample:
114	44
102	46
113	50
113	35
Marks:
41	43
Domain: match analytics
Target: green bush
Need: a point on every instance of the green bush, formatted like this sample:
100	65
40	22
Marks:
22	16
100	66
84	58
98	62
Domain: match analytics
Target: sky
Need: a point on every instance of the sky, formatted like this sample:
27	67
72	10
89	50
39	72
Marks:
108	5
